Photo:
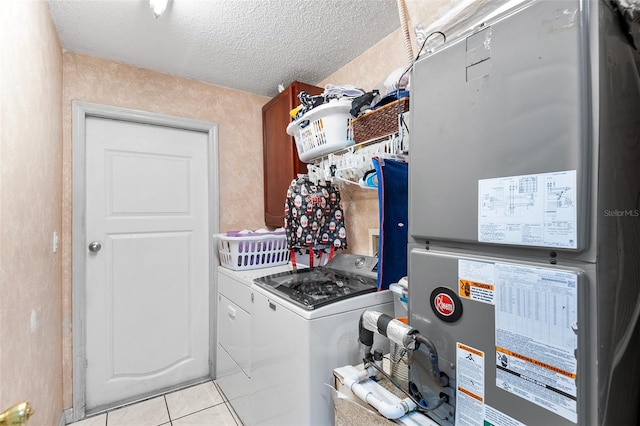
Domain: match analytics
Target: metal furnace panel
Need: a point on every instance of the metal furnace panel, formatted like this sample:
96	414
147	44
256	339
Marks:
500	138
513	336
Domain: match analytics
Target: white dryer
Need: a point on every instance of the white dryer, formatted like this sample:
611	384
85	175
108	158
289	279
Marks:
304	324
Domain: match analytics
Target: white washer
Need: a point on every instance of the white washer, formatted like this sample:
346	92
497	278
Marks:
294	351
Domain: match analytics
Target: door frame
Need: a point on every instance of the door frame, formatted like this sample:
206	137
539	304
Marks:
80	112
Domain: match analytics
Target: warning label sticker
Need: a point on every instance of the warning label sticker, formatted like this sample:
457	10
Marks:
470	386
475	280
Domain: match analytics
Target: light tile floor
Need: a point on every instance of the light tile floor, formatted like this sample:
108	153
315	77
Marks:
199	405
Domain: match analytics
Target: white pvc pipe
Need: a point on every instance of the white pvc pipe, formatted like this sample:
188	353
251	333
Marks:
390	410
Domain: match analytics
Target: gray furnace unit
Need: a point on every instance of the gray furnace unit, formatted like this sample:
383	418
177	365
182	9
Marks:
524	218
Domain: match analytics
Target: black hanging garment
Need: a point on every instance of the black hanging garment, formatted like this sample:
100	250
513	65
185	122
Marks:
313	220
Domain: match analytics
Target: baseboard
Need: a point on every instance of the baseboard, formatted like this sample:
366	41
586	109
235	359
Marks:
66	417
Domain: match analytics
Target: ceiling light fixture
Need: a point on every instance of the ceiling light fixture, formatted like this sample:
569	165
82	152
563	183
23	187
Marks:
158	7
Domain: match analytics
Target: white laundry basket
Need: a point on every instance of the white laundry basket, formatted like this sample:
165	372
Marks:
323	130
244	252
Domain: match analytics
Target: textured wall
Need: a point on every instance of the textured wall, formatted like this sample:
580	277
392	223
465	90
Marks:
30	209
239	119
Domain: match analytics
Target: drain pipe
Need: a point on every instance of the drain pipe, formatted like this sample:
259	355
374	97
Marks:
390	410
441	379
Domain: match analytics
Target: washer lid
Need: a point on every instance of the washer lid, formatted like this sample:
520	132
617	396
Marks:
312	288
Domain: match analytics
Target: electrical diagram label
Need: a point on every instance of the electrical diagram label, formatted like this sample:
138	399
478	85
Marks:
529	210
475	280
536	336
470	386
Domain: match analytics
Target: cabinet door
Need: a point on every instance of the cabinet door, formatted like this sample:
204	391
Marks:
234	332
281	163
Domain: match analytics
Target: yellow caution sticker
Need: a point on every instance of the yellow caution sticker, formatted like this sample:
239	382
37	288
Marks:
473	290
476	280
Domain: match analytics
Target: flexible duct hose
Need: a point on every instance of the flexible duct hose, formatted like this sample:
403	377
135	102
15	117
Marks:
404	24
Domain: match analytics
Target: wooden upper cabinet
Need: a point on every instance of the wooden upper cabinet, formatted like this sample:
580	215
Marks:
281	163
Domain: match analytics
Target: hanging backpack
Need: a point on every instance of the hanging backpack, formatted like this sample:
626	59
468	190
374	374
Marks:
313	220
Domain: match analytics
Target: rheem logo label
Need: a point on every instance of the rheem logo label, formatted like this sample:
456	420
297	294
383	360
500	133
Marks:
444	304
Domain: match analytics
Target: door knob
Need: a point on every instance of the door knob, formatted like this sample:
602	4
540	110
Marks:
17	414
95	246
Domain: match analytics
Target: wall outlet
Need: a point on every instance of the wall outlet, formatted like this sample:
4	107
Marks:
55	241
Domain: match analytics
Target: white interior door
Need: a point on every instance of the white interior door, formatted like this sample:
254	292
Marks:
147	259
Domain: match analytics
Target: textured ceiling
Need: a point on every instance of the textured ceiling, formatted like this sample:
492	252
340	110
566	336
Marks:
249	45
